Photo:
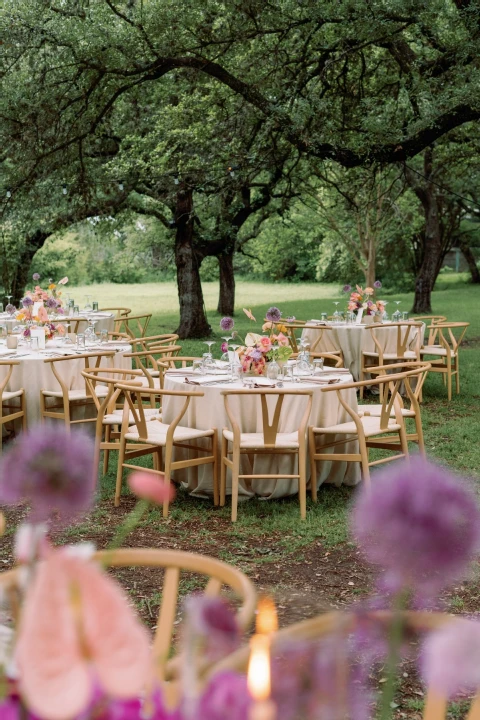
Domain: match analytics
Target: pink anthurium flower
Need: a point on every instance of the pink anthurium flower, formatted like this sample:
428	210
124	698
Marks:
77	631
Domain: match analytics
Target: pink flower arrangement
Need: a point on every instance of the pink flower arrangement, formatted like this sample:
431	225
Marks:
364	299
257	349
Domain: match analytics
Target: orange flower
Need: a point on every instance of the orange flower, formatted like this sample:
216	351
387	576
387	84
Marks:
52	286
369	291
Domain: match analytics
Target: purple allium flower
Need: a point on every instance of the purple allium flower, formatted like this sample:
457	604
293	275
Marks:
27	301
60	310
212	619
36	277
51	303
10	309
51	469
421	524
224	347
347	288
226	696
377	284
291	318
227	323
451	658
273	314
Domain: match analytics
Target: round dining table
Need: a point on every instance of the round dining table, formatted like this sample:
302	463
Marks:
353	340
34	375
104	321
209	412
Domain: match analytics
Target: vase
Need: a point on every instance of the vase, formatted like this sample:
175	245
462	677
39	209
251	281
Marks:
273	370
368	320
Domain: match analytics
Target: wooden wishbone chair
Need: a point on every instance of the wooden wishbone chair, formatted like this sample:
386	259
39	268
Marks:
157	436
340	625
324	341
64	396
431	320
9	410
269	442
444	356
408	343
153	363
412	411
362	428
110	407
133	325
169	565
145	343
329	359
119	311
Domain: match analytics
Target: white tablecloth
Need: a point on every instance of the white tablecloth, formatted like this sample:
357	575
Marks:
33	374
105	321
353	340
209	412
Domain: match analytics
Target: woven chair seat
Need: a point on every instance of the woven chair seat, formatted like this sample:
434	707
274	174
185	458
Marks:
256	440
157	433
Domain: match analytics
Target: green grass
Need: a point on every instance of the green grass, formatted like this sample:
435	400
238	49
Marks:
451	429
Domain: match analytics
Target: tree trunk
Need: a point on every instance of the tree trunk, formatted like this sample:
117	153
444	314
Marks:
471	262
372	262
433	251
21	277
193	321
226	298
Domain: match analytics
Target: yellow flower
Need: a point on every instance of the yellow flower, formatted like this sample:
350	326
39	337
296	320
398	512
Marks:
52	286
281	328
21	316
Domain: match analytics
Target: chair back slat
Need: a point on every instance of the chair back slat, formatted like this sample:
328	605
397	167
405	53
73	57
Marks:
166	617
6	379
134	325
213	587
270	431
405	337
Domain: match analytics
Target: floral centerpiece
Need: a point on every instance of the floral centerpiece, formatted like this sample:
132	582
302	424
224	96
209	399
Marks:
257	350
364	299
34	313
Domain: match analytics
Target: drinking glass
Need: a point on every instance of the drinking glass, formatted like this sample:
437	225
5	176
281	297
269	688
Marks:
95	306
34	346
76	311
68	339
273	370
88	304
80	341
225	357
317	366
237	372
1	307
198	367
209	343
208	363
236	360
103	336
9	299
397	315
248	382
3	331
337	316
405	315
303	367
288	372
324	317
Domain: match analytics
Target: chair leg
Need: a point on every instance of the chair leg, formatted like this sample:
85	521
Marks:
167	479
313	464
420	440
215	468
106	453
121	458
457	376
362	377
302	482
403	442
223	471
449	383
24	411
364	459
235	473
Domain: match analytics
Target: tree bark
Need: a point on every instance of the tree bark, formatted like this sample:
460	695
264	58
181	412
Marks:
226	298
193	321
21	276
470	259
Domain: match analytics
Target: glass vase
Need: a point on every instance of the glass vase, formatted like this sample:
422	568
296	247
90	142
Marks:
273	370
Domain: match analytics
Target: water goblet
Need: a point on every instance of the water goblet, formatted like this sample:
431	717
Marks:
76	311
34	346
236	360
317	366
81	341
397	315
95	305
103	336
88	304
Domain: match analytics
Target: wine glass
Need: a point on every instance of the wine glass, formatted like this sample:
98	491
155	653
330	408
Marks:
91	331
88	304
68	340
9	299
397	315
385	314
210	356
337	315
225	357
236	360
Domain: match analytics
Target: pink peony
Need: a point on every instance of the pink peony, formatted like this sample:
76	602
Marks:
282	340
150	487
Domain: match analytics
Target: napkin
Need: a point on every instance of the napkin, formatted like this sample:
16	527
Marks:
263	385
208	380
316	381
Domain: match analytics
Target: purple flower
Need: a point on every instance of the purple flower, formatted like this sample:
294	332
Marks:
51	469
26	332
256	355
27	301
226	696
224	347
421	524
273	314
291	318
212	619
36	277
51	303
347	288
10	309
451	658
377	284
227	323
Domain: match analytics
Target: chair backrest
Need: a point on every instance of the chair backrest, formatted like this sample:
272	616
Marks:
174	562
90	360
391	401
143	343
119	311
9	364
108	377
134	325
134	408
341	625
408	337
432	320
450	335
328	358
147	360
414	393
270	429
291	329
179	361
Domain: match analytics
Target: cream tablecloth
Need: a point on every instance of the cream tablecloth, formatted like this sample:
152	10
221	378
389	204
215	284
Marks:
105	321
33	374
209	411
353	340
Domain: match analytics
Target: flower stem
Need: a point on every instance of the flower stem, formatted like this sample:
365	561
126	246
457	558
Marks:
394	643
129	524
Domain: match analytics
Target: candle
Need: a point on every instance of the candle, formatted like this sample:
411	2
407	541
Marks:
259	681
